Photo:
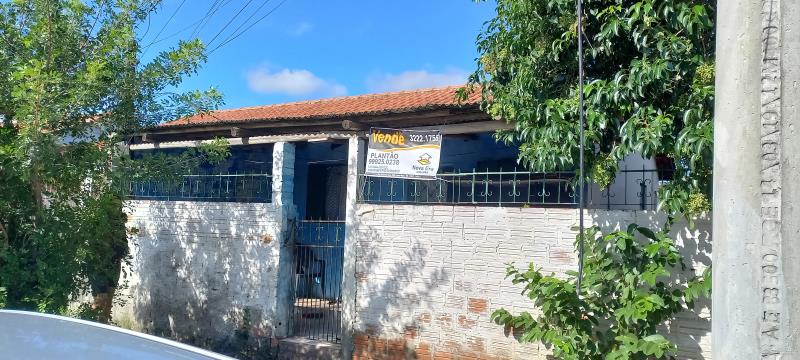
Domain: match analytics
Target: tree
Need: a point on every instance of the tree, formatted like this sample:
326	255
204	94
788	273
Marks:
649	72
73	87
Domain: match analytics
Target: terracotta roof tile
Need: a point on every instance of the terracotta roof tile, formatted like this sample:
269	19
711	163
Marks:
372	104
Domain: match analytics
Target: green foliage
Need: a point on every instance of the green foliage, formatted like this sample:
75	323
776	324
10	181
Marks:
628	290
649	72
73	89
83	311
649	90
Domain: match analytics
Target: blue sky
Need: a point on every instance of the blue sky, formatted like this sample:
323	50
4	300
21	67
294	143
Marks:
310	49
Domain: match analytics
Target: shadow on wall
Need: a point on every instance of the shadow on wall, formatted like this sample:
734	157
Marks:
204	273
394	292
691	330
427	278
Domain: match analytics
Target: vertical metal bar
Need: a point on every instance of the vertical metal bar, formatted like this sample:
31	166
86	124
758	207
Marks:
514	187
581	114
486	186
541	194
625	167
473	185
528	195
457	199
323	269
643	189
369	187
558	188
500	194
296	317
380	189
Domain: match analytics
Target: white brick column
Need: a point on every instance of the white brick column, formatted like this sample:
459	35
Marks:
283	175
355	150
283	199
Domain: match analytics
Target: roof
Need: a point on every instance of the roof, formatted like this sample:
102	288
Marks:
372	104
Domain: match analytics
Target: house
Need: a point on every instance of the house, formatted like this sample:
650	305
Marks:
290	239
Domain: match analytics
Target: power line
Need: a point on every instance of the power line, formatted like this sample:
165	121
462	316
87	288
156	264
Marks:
230	21
211	11
197	24
168	21
173	34
248	28
245	21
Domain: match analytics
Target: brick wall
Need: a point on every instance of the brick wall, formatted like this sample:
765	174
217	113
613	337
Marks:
202	270
427	277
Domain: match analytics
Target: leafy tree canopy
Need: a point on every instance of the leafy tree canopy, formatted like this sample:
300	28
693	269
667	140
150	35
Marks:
649	73
73	88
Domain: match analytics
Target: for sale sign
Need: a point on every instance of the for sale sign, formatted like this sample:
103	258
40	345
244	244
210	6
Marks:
408	154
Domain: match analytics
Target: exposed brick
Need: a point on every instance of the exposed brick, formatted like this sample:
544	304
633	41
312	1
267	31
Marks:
379	347
425	318
396	345
361	341
469	356
475	343
423	352
443	355
361	277
410	333
448	273
475	305
465	322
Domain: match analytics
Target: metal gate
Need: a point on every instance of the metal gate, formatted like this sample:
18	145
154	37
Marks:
318	268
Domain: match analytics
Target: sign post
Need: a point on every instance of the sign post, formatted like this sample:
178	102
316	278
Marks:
407	154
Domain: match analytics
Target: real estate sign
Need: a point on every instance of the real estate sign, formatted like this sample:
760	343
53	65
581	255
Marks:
408	154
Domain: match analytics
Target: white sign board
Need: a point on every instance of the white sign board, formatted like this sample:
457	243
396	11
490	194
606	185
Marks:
408	154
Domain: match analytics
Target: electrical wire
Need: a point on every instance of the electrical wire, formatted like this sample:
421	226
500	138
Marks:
230	21
218	4
168	21
248	28
226	40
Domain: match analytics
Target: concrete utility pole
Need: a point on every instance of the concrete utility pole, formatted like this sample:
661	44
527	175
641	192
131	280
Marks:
756	295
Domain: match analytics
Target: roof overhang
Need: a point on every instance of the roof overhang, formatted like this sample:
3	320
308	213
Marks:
352	124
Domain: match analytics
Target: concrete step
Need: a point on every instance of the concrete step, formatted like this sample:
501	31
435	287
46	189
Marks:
302	348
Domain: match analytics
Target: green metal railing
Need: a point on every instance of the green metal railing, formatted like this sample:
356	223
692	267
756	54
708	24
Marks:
220	187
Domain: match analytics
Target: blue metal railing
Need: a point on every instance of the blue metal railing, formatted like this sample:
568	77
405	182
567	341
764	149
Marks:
631	189
475	187
222	187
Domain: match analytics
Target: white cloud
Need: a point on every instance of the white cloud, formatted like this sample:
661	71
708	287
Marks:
301	29
296	82
416	79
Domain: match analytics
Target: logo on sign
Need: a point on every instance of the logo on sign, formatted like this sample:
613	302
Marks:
424	159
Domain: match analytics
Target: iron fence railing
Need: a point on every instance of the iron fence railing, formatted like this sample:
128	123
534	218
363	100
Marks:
485	187
318	264
220	187
631	189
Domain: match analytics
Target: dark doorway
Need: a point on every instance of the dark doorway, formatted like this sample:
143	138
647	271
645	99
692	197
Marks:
326	191
320	192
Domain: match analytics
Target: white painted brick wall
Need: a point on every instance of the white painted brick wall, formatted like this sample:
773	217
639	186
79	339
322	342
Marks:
424	273
198	266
